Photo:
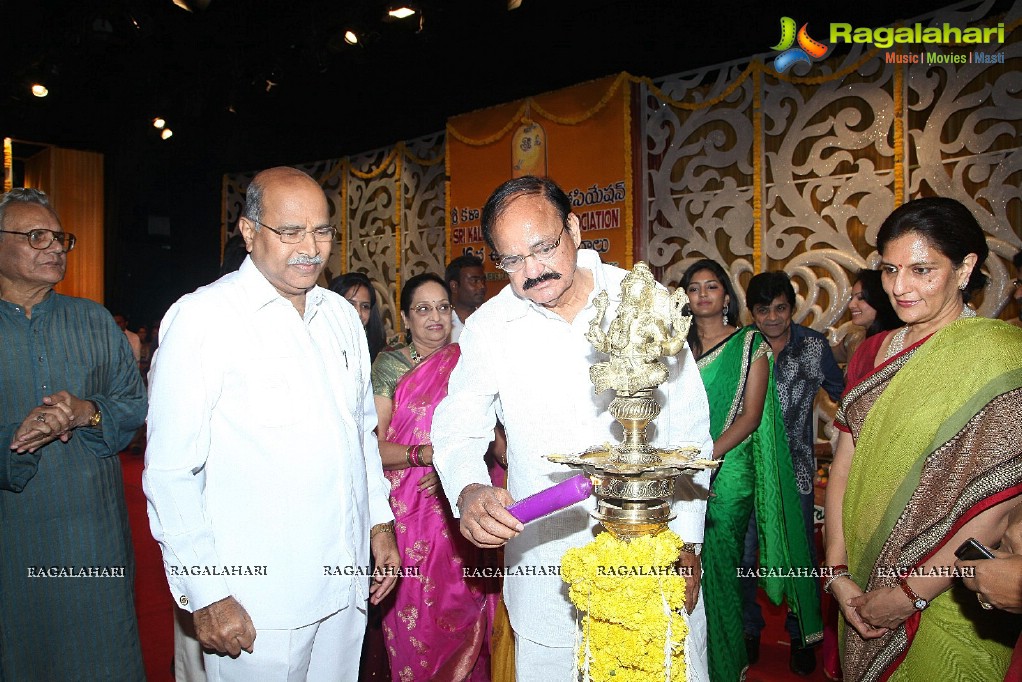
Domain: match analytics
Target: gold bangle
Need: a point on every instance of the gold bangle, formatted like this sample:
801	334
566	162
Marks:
690	548
408	455
381	528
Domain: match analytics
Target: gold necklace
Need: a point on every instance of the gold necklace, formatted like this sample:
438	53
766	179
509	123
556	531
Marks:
412	352
898	340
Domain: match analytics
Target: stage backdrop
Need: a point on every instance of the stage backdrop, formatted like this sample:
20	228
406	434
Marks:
579	136
736	162
796	171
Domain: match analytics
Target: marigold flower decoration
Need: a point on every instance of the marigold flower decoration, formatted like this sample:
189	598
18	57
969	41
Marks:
633	600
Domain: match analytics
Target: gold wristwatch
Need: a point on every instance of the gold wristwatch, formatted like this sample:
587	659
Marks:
96	419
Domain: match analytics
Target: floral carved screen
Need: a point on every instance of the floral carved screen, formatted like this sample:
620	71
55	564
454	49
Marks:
763	171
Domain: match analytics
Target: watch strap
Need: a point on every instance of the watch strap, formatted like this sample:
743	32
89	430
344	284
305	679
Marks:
918	603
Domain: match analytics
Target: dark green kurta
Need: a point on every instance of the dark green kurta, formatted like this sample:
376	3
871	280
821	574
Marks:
62	507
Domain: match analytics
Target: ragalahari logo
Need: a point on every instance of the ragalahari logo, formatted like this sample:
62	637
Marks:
807	50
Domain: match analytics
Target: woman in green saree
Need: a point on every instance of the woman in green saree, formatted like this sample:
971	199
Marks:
756	473
930	455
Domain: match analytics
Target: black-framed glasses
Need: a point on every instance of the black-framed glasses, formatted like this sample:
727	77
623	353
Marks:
543	252
293	235
41	239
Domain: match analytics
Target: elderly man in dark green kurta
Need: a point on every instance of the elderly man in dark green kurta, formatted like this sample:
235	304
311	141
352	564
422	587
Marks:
70	398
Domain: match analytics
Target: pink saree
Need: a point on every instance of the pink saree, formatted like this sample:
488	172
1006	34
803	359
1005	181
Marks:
437	624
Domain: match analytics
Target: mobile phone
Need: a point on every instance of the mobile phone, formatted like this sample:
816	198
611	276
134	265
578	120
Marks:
973	550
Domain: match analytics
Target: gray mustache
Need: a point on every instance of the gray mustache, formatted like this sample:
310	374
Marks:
302	259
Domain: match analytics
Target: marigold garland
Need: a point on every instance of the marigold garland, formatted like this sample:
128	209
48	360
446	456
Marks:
627	589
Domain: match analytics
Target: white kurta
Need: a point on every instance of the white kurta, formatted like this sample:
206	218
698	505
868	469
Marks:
261	451
530	368
456	326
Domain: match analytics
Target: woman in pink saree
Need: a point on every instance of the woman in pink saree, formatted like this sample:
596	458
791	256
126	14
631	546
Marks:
437	623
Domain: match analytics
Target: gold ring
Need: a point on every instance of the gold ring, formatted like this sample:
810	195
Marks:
985	604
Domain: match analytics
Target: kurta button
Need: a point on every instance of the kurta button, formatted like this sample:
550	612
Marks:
184	600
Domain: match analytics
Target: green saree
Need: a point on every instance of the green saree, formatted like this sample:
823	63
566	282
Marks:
931	453
758	474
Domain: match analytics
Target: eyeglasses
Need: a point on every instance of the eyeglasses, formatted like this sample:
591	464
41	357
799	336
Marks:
424	309
41	239
543	252
294	235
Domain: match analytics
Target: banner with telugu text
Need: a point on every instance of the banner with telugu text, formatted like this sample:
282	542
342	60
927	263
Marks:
579	136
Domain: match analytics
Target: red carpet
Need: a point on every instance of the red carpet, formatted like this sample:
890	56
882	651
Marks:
774	647
155	608
153	602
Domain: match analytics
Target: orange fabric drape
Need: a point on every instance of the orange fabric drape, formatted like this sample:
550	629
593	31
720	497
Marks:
74	181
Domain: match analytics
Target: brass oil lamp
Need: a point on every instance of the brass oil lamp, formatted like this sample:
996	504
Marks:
634	481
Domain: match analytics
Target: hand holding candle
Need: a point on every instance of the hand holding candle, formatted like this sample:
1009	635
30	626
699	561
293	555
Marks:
564	494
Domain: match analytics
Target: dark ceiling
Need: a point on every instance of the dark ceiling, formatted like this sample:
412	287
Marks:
247	85
273	81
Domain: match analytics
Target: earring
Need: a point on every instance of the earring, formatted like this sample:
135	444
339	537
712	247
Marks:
725	313
963	285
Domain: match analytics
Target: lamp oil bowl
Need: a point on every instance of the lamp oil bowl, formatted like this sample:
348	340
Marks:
633	481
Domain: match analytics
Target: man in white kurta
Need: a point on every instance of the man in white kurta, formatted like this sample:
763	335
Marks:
525	360
262	469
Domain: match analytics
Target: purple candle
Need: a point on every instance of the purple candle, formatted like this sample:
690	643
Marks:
564	494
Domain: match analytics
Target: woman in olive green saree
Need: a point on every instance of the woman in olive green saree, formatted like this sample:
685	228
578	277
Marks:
930	454
756	473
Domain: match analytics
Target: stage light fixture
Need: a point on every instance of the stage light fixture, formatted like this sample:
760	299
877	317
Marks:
167	133
159	123
192	5
402	12
350	37
40	90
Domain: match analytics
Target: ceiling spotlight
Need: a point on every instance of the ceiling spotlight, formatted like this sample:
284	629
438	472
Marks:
350	37
40	90
402	12
192	5
159	123
167	133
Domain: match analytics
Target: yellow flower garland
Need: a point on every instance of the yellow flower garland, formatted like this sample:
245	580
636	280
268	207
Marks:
632	599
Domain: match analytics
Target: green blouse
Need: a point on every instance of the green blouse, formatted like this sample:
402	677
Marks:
388	368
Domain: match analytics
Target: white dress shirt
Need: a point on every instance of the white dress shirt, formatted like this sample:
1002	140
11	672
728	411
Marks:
261	451
456	326
529	367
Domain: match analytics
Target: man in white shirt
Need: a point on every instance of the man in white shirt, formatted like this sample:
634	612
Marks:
525	360
467	282
265	486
